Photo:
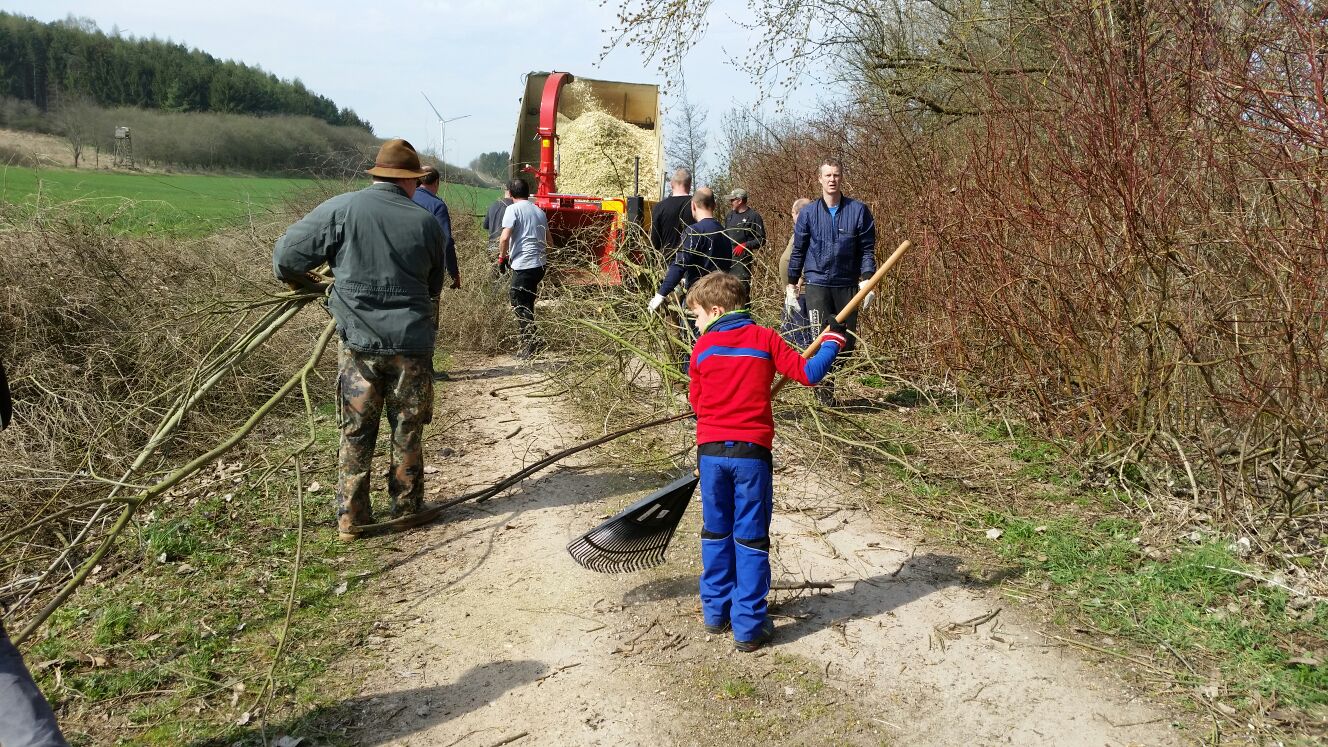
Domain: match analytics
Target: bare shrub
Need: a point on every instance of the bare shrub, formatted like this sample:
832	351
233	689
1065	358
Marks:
1131	247
99	334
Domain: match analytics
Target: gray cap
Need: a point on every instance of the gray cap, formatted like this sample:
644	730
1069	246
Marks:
738	193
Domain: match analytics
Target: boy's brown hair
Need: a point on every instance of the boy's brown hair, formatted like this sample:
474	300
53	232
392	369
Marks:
718	289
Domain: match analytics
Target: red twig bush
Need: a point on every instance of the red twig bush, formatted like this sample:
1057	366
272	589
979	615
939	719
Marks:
1131	246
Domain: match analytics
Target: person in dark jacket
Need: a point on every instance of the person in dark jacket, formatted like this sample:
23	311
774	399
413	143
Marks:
26	719
672	215
427	197
387	258
747	230
493	223
705	248
834	252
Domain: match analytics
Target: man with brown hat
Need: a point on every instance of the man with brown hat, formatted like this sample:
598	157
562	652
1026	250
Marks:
386	255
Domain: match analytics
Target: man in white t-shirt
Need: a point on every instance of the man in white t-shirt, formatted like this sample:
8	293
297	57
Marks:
523	246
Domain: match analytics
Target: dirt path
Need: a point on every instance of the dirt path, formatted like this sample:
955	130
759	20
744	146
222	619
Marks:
493	632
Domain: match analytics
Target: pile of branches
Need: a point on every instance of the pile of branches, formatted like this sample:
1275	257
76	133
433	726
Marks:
132	370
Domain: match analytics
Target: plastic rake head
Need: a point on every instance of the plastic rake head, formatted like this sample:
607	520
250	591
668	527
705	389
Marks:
636	537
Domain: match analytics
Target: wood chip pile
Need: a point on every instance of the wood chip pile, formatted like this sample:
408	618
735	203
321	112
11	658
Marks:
597	151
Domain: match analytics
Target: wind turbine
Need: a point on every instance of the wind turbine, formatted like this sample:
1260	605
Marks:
442	125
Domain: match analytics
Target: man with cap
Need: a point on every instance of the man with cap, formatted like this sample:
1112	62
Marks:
747	231
387	259
427	197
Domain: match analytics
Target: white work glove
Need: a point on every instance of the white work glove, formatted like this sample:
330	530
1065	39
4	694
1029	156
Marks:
866	301
655	303
791	299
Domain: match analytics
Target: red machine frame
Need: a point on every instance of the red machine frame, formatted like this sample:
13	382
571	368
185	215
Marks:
570	215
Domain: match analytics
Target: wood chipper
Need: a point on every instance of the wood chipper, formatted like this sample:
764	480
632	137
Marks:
595	223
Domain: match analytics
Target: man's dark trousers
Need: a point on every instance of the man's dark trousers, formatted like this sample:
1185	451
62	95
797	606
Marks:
525	284
823	303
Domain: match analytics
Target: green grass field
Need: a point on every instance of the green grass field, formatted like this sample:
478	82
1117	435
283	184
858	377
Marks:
180	204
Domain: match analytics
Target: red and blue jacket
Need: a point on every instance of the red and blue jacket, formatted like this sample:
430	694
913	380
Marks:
733	365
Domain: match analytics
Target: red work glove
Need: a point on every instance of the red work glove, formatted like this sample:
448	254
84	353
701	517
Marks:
739	249
838	333
456	281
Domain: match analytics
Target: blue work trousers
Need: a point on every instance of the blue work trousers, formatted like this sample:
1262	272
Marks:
737	498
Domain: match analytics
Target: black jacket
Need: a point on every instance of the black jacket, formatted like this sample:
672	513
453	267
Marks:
671	216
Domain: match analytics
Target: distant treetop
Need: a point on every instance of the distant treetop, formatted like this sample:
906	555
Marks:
42	62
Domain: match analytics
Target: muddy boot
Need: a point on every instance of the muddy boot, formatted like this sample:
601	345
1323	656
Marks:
761	640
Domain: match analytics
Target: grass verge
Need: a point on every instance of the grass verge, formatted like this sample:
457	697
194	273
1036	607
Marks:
173	644
1247	652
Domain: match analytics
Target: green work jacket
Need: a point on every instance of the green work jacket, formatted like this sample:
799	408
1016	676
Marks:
386	255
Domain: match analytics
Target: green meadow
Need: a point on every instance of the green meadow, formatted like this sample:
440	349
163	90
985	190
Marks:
181	204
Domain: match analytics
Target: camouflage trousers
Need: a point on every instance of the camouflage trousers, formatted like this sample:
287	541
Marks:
366	386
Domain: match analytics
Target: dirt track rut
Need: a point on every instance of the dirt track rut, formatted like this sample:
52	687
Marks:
493	633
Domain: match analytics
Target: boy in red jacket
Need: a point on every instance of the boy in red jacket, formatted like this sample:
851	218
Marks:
732	367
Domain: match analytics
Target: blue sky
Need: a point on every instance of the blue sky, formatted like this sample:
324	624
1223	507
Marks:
467	55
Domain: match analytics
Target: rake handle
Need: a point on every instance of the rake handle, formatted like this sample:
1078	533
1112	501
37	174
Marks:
848	309
433	511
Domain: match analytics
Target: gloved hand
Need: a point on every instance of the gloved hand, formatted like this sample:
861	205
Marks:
502	265
739	249
456	281
866	301
310	281
837	333
791	298
655	303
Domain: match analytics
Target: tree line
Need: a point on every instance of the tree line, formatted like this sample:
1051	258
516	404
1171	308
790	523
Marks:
47	63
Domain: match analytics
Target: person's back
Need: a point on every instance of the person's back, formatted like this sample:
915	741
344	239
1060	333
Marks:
668	221
731	369
709	249
426	196
493	221
530	228
386	255
672	215
705	248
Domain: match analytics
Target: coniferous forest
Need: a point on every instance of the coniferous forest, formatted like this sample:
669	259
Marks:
46	62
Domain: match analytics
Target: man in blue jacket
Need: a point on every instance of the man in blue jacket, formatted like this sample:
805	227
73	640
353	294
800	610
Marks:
834	251
427	197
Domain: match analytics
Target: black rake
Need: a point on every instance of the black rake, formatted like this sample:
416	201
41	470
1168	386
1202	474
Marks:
637	536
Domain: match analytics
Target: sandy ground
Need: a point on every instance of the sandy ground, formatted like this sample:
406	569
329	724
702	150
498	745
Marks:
495	636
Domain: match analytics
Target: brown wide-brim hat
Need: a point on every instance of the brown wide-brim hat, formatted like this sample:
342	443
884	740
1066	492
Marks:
397	159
